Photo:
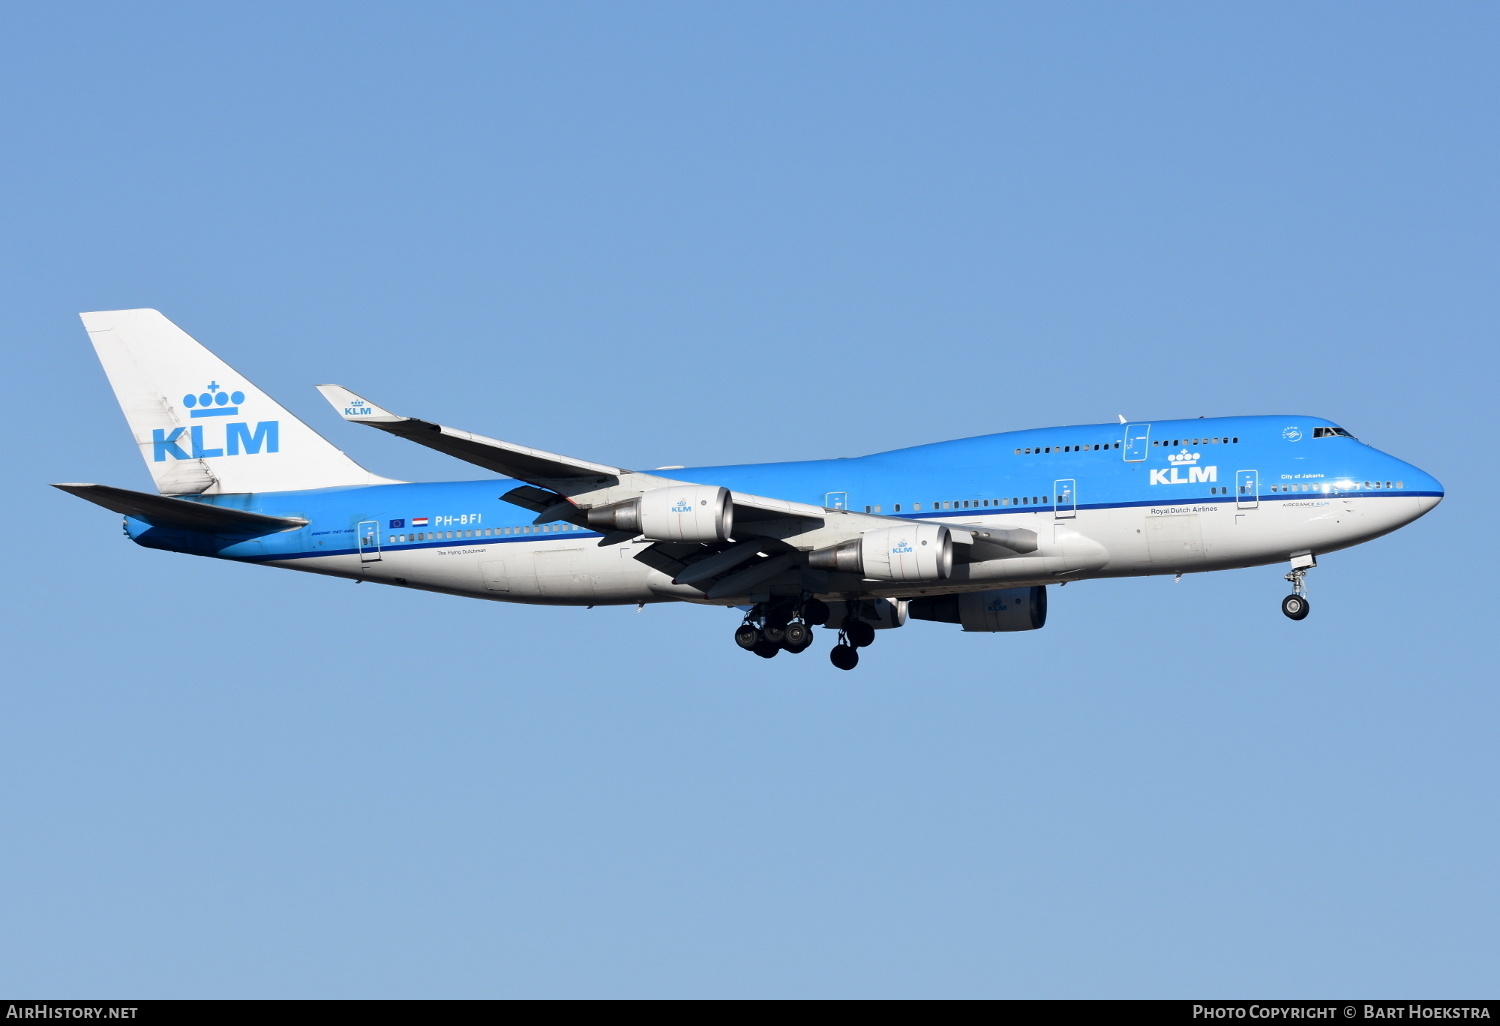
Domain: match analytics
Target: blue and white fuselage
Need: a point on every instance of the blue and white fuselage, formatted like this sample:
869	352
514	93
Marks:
1258	490
875	537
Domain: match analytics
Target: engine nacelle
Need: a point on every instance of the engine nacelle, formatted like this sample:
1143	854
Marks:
687	513
916	552
1003	609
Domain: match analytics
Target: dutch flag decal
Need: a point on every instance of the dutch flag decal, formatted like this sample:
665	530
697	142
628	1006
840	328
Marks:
419	521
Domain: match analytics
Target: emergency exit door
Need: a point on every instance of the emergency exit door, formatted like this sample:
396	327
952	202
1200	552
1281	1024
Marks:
369	540
1065	492
1137	442
1246	489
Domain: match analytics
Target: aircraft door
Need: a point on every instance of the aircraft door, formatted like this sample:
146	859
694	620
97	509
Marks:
368	533
1137	442
1066	494
1246	489
836	500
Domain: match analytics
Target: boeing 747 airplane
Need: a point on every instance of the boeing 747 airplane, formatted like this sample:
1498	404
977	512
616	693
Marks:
969	532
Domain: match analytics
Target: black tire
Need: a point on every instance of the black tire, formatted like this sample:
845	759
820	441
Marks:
844	657
747	636
798	637
859	633
1295	607
766	650
815	611
773	635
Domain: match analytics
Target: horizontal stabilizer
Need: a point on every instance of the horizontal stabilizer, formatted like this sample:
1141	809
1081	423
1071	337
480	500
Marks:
181	514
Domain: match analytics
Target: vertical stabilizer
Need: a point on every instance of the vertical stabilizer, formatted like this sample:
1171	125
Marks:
201	428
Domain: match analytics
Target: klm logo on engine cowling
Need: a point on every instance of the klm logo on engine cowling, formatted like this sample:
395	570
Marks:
682	506
902	548
207	441
1184	461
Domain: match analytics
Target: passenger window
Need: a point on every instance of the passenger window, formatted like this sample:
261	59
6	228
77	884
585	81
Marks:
917	506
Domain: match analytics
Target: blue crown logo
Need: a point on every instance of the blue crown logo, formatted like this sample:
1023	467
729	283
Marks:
214	402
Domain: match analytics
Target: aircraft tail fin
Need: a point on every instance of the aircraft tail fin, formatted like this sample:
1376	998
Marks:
201	428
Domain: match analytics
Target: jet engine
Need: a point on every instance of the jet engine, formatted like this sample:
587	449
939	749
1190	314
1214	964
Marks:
686	513
916	552
1003	609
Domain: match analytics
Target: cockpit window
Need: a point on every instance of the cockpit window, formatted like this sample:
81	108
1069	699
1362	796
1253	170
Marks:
1331	432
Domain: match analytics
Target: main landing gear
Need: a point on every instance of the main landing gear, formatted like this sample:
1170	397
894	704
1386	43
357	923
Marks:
1295	605
773	627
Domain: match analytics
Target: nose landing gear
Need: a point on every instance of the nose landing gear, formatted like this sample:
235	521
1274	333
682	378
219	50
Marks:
1295	605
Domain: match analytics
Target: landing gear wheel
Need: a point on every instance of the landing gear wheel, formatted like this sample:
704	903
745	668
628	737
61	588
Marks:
773	635
798	637
747	636
815	611
1295	607
845	657
766	649
859	633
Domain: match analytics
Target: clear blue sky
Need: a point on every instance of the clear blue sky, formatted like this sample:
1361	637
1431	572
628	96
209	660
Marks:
656	234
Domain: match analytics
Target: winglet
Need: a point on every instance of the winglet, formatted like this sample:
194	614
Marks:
351	407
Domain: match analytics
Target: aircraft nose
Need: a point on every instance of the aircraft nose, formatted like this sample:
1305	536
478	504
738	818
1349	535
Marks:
1429	490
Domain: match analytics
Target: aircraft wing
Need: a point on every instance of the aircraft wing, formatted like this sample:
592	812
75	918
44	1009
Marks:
558	475
768	532
516	461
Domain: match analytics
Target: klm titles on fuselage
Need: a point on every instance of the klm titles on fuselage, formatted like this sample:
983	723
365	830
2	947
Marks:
1181	461
237	437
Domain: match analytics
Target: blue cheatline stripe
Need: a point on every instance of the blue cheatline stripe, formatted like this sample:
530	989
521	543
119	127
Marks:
948	514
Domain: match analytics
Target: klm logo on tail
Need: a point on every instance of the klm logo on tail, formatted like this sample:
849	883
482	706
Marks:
237	438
